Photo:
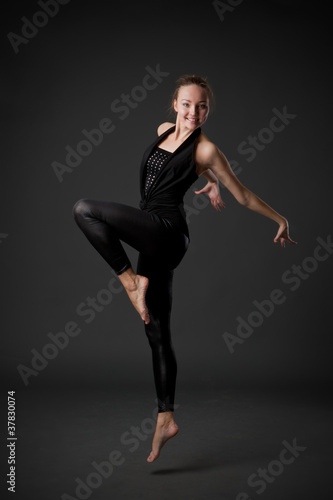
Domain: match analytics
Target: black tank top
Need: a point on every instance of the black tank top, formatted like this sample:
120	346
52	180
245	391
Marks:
178	172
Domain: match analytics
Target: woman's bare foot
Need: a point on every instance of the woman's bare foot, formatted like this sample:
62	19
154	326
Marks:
166	428
136	287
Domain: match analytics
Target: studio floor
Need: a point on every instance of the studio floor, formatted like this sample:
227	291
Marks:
232	445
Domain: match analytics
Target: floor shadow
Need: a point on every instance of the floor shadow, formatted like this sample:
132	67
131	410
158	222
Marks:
186	468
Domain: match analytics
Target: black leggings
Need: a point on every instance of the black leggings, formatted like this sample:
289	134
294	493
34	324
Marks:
161	247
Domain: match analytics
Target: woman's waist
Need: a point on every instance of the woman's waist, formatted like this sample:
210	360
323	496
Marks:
164	199
172	215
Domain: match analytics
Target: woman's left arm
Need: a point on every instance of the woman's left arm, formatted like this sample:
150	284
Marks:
215	160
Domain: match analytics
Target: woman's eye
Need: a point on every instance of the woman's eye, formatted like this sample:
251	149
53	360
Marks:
201	105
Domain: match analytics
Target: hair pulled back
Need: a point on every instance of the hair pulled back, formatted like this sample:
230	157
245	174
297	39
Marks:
186	80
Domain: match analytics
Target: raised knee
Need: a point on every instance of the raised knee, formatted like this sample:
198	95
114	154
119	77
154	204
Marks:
81	207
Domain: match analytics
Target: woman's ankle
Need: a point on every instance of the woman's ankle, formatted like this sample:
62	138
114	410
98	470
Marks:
128	279
165	417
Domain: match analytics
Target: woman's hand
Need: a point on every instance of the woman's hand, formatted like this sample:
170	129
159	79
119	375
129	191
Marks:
283	234
212	189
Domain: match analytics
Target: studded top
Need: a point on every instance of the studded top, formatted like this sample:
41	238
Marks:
154	164
165	198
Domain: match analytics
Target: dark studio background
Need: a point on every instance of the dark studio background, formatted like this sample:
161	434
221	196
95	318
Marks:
263	55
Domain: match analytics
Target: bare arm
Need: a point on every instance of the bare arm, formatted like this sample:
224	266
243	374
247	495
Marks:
210	176
215	161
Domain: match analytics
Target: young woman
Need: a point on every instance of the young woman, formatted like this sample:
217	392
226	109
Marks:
159	232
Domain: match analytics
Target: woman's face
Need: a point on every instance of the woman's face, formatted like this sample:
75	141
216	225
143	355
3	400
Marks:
191	106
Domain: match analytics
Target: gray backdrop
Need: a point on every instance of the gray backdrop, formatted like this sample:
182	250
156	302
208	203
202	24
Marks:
263	59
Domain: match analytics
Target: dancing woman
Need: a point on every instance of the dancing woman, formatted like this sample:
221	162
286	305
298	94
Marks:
159	232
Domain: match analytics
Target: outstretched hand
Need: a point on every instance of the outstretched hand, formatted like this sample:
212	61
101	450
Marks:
213	191
283	235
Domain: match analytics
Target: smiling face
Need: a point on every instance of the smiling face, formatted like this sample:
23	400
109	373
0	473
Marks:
191	106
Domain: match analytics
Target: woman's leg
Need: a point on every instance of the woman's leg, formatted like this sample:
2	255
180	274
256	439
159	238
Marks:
161	250
159	302
106	223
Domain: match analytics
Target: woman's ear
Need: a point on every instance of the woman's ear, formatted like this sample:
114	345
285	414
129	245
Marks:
175	105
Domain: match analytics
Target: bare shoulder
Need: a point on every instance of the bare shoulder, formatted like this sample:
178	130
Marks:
205	153
164	127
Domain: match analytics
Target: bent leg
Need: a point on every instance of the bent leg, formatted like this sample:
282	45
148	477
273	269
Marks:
106	223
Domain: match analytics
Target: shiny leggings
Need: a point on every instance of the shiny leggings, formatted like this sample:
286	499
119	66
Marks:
161	247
